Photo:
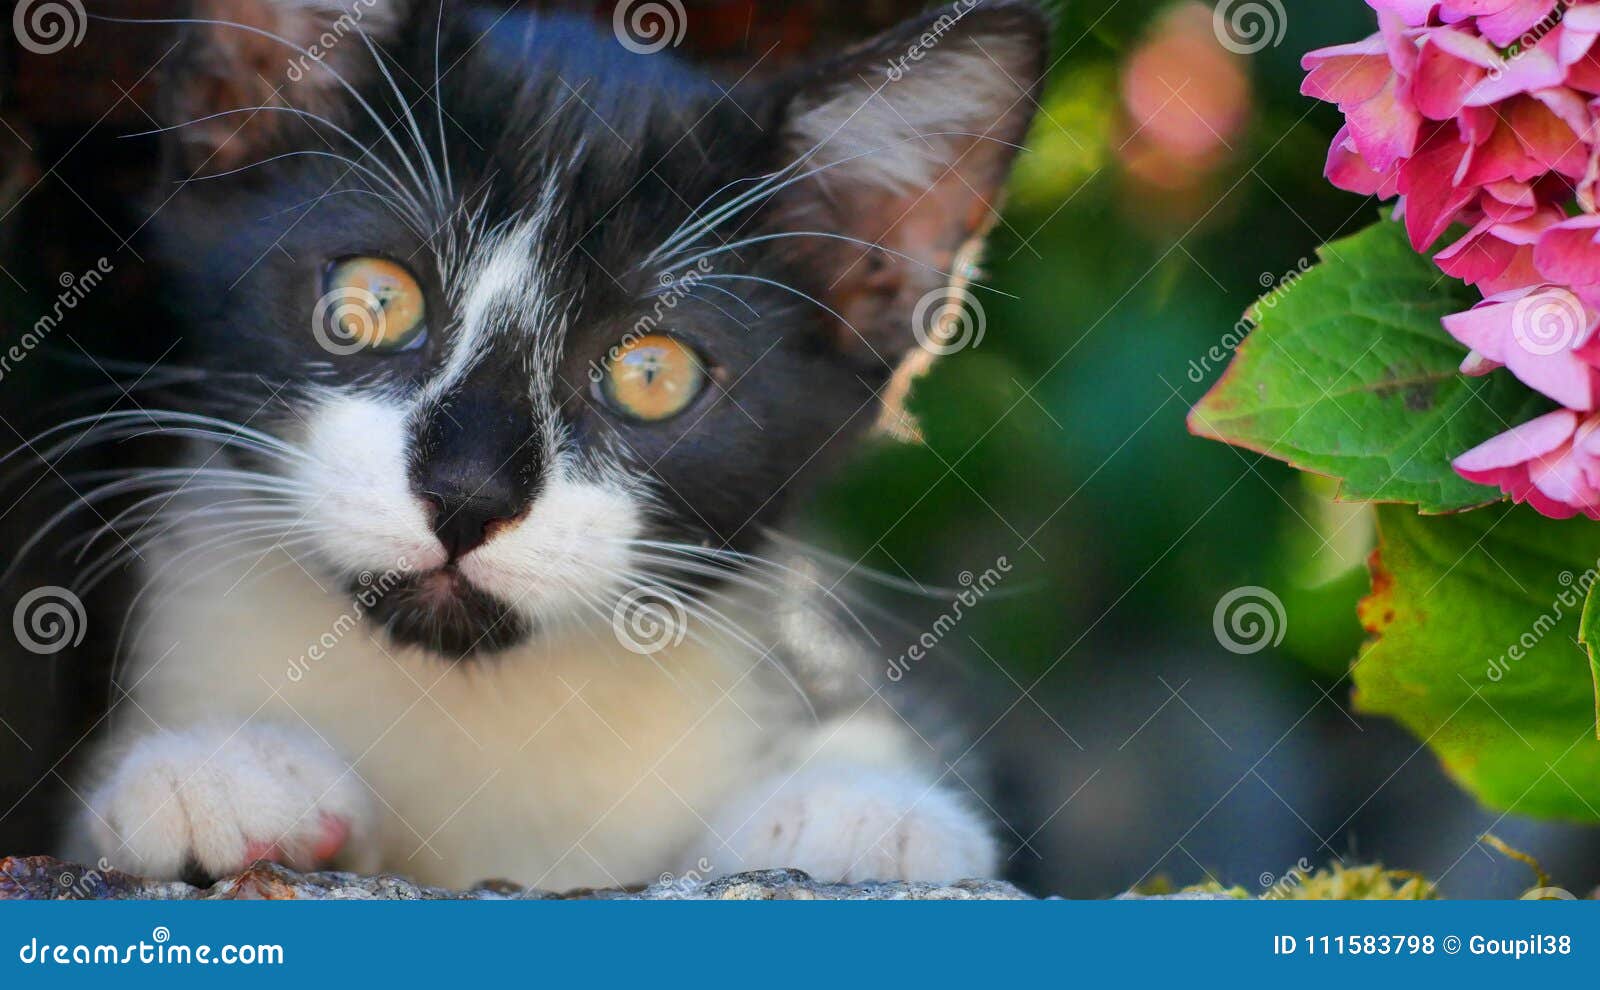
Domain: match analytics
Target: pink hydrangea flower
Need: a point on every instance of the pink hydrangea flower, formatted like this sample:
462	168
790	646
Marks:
1552	463
1483	117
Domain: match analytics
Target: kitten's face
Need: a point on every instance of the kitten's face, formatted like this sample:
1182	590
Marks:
585	305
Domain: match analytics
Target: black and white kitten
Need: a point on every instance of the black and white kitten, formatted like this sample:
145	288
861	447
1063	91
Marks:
515	341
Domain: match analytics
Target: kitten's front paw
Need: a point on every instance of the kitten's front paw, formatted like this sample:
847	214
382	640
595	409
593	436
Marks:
850	824
212	802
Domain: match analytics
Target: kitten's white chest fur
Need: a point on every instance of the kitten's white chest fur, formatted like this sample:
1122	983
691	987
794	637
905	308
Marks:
565	764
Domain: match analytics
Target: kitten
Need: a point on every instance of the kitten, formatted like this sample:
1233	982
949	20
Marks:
515	342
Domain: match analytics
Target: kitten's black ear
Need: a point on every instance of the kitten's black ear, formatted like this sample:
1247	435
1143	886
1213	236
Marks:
238	55
914	132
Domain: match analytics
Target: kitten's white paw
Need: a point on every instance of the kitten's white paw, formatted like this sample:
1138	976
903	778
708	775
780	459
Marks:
212	802
842	823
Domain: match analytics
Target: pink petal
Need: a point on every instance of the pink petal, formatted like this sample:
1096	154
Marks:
1560	375
1509	193
1476	365
1443	79
1584	74
1569	253
1484	328
1347	80
1372	44
1570	106
1536	69
1512	21
1347	171
1585	17
1477	256
1577	34
1550	144
1413	13
1518	275
1427	180
1501	157
1385	127
1560	476
1518	445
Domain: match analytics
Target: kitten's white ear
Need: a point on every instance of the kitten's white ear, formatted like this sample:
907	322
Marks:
268	53
914	133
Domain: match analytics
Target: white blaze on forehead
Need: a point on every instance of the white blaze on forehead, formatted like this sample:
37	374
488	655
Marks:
504	288
502	277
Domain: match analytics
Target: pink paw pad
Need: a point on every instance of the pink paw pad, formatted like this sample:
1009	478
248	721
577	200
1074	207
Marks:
321	846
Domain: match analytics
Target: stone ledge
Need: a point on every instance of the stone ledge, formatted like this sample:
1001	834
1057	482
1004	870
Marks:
45	878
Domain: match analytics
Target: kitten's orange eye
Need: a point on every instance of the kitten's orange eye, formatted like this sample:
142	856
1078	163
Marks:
369	304
652	378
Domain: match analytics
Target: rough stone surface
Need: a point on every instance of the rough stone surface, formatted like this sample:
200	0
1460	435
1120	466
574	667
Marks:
44	878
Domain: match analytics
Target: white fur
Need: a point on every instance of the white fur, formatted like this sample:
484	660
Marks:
901	131
565	764
360	502
852	807
205	794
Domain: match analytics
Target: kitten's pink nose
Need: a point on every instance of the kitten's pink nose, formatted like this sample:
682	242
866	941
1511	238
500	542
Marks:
465	522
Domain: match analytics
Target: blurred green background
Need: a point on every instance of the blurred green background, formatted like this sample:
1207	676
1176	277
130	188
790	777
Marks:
1171	181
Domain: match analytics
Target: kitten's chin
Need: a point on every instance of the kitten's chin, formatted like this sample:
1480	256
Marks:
443	613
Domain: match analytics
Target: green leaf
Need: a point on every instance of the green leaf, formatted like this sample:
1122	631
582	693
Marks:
1589	636
1349	373
1476	618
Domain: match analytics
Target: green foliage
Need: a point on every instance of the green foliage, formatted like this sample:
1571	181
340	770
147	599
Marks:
1476	619
1349	374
